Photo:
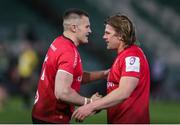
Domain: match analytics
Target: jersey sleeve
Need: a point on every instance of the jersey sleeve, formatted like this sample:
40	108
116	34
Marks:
66	60
131	65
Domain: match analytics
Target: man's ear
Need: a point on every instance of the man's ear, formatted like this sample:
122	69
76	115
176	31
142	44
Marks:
120	38
73	28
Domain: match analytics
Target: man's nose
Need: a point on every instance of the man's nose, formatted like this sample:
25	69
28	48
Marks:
90	31
104	37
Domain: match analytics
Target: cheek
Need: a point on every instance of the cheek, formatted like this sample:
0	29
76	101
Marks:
115	42
83	32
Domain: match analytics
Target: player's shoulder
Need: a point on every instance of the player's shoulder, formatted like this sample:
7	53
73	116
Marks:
62	43
133	50
130	52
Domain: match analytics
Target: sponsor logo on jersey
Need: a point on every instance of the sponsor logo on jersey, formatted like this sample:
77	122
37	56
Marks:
79	78
110	84
36	97
75	59
53	47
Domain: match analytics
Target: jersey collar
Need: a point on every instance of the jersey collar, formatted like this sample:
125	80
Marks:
68	39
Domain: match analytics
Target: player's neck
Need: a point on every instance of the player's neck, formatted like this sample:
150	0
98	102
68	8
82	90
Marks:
71	37
121	47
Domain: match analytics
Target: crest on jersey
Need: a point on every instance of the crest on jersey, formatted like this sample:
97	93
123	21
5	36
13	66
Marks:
132	64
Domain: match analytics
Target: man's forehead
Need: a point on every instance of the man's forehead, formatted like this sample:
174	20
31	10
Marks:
109	28
85	20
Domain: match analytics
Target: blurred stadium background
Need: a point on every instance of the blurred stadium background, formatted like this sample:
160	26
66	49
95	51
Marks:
27	27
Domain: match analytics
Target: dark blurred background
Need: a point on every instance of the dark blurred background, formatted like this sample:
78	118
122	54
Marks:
27	28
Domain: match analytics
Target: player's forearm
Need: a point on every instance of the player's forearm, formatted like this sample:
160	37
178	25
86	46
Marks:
113	98
71	96
127	85
92	76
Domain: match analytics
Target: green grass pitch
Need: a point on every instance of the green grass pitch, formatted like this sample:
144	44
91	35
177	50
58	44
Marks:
160	111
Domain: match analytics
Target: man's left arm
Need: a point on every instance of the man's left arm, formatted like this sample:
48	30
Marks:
126	87
94	75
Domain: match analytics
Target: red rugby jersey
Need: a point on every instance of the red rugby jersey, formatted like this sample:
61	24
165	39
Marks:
135	109
63	56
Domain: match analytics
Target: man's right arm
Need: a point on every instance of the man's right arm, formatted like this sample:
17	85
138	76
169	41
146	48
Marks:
63	90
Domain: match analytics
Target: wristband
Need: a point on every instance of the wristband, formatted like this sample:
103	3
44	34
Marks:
85	101
91	100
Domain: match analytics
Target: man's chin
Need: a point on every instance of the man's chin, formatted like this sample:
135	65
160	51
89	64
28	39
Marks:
84	42
108	47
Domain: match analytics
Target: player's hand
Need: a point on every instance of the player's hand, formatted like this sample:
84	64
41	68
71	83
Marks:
82	112
96	96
